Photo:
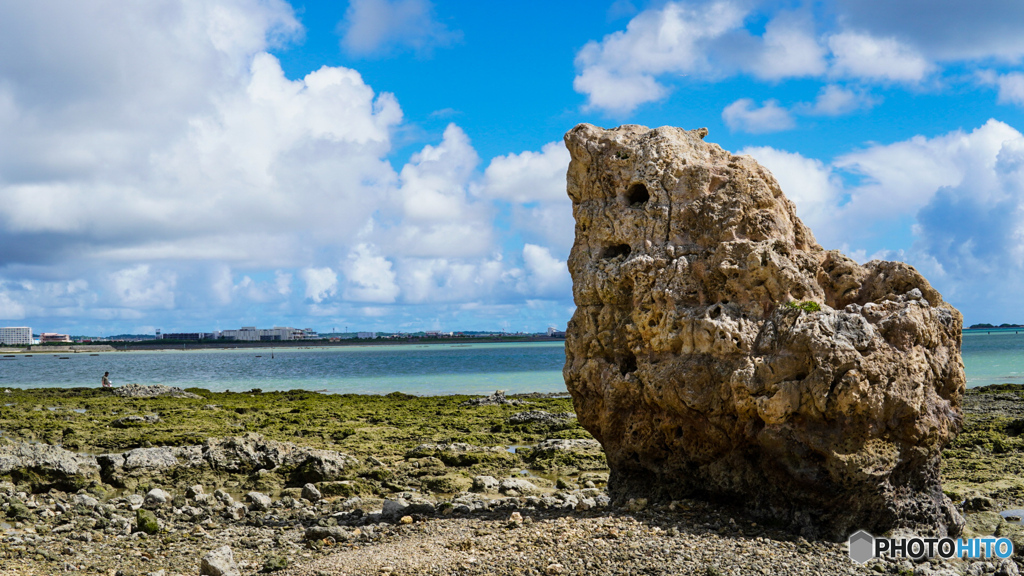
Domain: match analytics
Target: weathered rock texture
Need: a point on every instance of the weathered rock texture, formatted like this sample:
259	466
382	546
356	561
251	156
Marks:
42	466
689	361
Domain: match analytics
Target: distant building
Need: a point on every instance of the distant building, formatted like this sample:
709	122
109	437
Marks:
16	335
53	337
555	333
366	335
192	336
437	334
275	334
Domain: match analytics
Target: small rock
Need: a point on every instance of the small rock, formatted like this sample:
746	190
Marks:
394	508
158	496
309	492
194	491
135	501
321	532
258	501
219	562
977	503
86	500
519	485
1007	568
236	511
406	520
485	484
636	504
498	398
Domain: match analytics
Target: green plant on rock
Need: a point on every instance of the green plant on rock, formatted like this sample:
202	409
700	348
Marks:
806	305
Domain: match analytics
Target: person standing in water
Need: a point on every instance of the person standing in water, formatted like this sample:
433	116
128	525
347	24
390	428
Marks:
106	380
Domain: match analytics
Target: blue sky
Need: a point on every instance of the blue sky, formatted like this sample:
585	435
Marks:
397	164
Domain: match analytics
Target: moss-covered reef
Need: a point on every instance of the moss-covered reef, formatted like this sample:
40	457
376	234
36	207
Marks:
987	459
386	433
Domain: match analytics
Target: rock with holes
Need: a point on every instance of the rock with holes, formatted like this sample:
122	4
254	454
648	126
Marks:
718	351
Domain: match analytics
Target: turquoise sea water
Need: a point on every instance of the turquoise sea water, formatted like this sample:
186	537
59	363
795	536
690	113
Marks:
414	369
991	357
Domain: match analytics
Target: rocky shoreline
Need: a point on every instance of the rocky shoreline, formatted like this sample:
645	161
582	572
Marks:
427	508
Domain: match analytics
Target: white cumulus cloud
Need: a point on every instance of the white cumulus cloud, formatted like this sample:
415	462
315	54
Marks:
618	73
142	287
370	276
860	55
835	100
545	274
744	115
321	283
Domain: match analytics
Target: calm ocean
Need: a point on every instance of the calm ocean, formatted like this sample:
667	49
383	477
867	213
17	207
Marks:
990	358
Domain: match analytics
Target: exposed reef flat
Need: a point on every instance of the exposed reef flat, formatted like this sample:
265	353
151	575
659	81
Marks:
420	486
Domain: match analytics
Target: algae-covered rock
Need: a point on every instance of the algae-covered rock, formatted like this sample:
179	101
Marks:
461	454
275	563
146	521
152	391
569	456
42	466
135	421
17	510
251	454
1015	532
447	484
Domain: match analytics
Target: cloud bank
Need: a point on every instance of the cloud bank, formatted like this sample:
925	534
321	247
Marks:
849	47
179	176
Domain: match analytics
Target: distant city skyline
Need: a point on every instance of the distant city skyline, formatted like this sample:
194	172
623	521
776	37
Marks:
398	165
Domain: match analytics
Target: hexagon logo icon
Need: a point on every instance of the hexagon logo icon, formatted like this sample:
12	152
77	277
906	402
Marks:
862	546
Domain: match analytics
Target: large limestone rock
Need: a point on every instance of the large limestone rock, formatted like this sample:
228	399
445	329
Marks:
718	351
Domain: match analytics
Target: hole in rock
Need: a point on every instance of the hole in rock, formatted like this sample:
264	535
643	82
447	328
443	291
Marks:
616	251
628	365
637	194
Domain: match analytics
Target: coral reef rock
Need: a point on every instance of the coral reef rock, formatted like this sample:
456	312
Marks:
717	351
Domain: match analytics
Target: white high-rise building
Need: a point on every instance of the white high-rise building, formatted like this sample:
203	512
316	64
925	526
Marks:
16	335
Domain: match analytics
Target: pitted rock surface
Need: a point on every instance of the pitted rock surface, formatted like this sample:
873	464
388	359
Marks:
718	351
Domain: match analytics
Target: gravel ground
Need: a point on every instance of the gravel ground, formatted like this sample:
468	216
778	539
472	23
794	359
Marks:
585	545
